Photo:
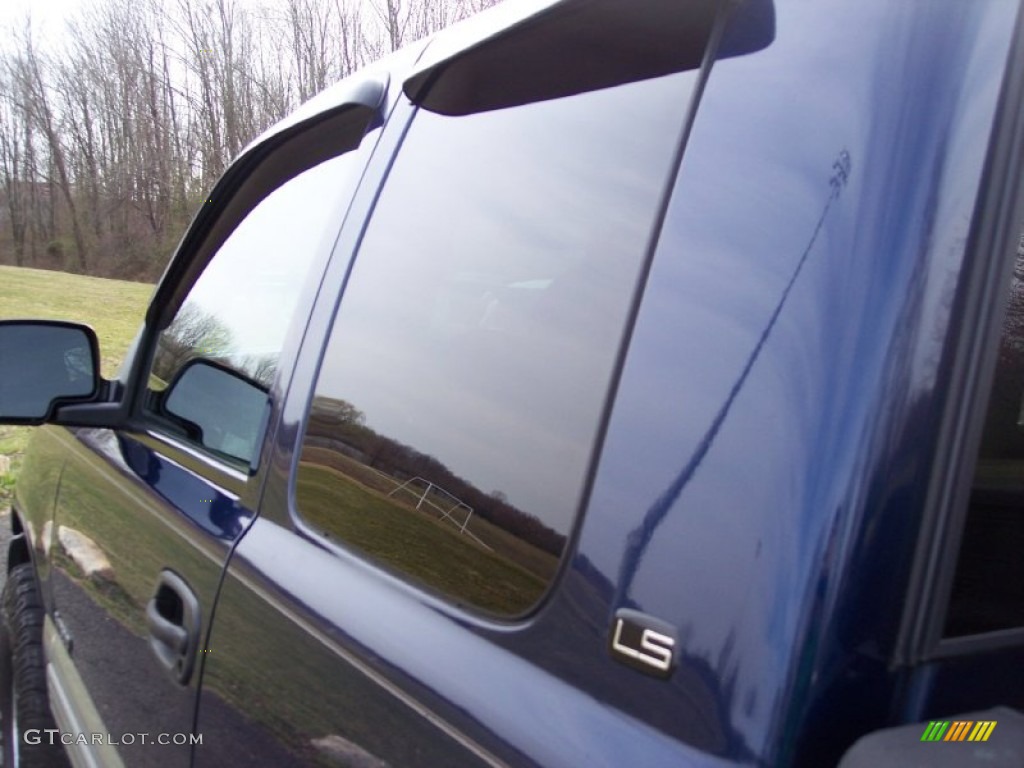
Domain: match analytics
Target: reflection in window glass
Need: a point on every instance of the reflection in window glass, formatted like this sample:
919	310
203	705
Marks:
461	390
988	589
238	311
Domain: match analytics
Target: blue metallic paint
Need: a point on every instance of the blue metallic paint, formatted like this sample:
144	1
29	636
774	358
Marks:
213	509
463	666
751	566
113	493
771	427
779	524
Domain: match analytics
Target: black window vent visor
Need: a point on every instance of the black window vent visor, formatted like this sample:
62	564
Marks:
574	46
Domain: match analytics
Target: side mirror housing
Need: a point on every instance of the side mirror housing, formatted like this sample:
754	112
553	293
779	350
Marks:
43	364
219	408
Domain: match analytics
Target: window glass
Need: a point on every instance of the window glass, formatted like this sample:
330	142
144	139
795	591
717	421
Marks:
238	311
461	390
988	589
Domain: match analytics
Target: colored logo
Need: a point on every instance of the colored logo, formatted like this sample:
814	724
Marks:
958	730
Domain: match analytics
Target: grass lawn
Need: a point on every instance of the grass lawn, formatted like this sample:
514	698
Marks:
114	308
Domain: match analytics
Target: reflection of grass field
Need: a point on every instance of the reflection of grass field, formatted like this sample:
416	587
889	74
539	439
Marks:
139	538
122	518
534	560
415	543
108	593
114	308
298	689
999	472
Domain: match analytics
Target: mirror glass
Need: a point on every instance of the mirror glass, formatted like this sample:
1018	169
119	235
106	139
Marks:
219	408
40	362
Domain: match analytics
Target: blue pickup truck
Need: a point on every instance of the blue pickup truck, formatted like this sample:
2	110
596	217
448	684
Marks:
599	383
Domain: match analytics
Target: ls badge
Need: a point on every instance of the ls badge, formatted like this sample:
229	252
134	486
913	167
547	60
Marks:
643	642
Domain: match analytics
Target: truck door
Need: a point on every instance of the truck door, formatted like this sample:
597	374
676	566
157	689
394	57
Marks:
392	604
146	517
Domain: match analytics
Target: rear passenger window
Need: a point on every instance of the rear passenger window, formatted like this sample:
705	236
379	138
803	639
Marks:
459	398
988	588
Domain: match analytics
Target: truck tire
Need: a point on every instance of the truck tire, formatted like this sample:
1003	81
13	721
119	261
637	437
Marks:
24	700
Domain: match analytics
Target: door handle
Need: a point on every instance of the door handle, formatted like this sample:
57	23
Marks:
173	618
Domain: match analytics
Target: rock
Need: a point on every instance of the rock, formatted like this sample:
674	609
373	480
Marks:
344	753
85	553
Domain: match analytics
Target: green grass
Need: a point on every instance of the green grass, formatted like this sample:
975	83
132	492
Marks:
114	309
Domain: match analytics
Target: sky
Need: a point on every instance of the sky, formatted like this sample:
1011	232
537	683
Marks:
49	16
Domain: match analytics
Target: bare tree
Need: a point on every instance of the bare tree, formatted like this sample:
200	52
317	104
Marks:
29	72
12	173
109	143
310	30
394	15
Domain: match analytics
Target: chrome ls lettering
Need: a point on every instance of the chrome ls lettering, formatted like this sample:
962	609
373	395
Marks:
643	642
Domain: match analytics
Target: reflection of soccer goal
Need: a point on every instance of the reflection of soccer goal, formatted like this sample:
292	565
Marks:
445	503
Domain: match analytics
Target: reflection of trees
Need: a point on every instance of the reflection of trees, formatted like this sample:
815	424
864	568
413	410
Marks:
194	334
641	536
260	368
340	426
332	416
